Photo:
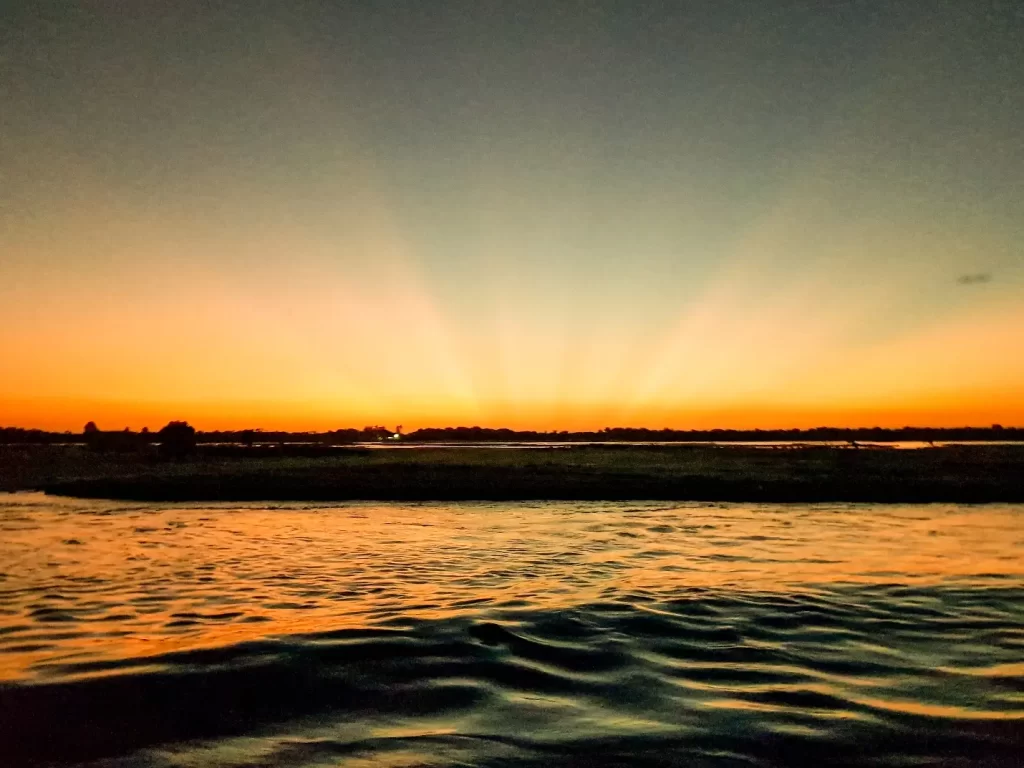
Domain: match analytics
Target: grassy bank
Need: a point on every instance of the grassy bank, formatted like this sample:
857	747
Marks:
703	473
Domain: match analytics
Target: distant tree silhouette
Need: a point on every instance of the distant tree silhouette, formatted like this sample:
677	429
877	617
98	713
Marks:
124	441
177	439
101	440
92	435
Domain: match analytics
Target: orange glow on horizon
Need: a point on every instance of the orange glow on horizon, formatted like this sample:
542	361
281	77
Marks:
72	414
359	327
343	358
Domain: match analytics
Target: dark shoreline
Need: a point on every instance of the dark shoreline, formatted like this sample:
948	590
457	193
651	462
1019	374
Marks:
471	435
807	474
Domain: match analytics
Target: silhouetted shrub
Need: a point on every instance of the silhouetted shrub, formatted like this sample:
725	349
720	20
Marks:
125	441
177	439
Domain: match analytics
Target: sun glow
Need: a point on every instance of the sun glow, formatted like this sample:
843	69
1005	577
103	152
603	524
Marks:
513	265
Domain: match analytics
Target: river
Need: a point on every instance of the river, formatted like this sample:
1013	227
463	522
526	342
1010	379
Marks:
510	634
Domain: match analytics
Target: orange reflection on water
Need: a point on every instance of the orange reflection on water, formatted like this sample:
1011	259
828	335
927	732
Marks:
89	581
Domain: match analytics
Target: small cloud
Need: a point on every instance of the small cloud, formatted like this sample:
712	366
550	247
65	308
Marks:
977	278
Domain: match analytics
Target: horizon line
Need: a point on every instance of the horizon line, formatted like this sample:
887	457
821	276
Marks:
993	427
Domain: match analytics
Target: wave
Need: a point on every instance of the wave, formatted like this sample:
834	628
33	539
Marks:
851	675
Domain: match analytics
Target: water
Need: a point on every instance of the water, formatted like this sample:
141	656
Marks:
892	444
510	634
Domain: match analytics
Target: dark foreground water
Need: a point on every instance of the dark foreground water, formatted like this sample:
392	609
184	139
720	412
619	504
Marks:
510	634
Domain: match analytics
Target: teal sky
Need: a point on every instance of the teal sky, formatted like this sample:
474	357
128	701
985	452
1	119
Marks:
551	212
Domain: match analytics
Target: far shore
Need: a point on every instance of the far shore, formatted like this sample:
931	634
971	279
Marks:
807	473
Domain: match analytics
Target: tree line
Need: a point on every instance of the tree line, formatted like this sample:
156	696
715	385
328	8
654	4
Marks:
180	432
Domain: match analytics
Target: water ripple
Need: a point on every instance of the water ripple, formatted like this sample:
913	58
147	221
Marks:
517	634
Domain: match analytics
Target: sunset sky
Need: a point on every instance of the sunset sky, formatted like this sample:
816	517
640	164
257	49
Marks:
314	215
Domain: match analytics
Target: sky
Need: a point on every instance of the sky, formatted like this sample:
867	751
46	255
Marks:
547	215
